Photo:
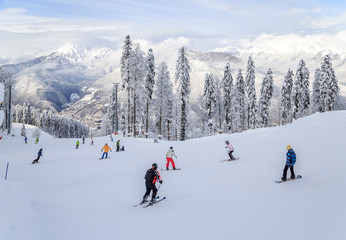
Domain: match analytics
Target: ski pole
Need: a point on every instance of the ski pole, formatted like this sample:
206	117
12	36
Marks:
6	171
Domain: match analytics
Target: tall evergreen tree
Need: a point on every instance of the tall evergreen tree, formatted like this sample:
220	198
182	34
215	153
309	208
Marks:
227	85
126	76
112	109
149	85
252	115
182	76
164	101
238	103
137	77
266	95
209	99
285	99
317	105
7	80
301	92
329	85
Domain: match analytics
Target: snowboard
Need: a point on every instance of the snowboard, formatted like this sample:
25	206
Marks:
228	160
288	179
104	158
171	169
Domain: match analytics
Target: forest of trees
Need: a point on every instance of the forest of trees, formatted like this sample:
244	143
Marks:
159	105
157	102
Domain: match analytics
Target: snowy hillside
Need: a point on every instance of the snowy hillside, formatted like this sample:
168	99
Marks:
72	195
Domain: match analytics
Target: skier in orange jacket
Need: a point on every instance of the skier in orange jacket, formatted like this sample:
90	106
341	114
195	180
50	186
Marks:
105	149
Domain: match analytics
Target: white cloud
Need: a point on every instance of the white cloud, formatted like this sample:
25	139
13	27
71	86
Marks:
295	11
12	11
326	21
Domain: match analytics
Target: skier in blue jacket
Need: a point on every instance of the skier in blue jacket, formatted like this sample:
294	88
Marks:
290	161
39	154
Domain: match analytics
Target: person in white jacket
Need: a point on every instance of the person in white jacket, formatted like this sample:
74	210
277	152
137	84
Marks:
230	149
169	157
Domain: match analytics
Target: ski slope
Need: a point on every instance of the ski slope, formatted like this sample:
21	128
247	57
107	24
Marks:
71	195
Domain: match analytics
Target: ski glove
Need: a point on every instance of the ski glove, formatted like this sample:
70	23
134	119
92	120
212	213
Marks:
161	181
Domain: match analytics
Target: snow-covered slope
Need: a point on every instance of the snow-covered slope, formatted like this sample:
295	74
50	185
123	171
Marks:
72	195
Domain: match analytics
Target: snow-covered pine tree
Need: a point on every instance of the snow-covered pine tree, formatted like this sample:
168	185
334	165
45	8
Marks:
301	92
137	77
209	100
251	101
149	85
112	109
219	104
238	99
317	105
227	85
126	76
329	85
163	101
285	99
7	79
182	76
123	119
266	95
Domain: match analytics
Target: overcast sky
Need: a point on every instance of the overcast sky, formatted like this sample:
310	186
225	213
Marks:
28	26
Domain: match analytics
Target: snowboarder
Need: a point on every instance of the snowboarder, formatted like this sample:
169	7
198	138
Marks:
290	161
106	148
230	149
26	139
77	144
39	154
36	141
83	140
169	157
118	145
151	177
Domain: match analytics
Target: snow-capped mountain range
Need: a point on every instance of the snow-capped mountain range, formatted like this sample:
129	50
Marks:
49	81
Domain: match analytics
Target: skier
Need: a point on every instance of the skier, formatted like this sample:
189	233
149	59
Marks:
169	157
151	177
77	144
36	141
230	149
118	145
38	157
26	139
106	148
83	140
290	161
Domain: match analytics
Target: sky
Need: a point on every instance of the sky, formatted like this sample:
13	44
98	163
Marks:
35	26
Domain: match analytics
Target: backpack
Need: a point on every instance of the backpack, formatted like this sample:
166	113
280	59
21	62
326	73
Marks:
149	176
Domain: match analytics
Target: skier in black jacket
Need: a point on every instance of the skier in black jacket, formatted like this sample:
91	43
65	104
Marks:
151	177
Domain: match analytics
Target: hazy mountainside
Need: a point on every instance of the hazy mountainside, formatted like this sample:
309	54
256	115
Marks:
79	80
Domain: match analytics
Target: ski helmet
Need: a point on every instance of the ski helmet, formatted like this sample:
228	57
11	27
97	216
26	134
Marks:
288	147
155	166
227	142
171	147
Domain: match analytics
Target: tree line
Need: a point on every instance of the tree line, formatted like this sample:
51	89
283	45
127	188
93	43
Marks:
155	104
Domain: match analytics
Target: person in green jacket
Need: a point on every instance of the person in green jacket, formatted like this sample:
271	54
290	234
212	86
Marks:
77	144
118	145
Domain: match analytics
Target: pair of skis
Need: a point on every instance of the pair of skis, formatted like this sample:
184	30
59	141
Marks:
146	204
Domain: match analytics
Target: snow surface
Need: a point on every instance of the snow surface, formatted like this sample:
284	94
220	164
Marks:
71	195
